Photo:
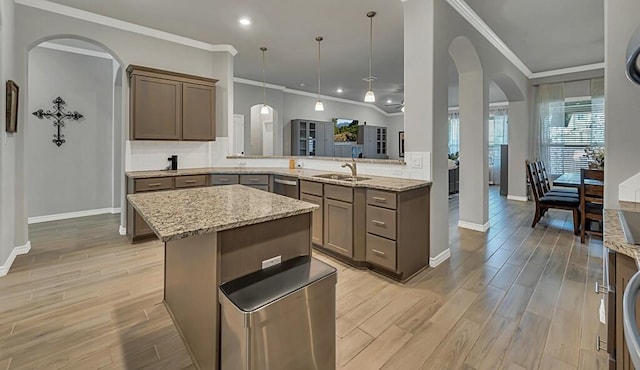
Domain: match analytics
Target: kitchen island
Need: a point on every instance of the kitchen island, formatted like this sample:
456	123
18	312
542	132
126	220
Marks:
213	235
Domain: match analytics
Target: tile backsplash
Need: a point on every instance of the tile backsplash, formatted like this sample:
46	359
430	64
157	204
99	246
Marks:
629	190
152	155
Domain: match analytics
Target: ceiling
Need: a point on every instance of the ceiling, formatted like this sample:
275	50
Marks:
543	41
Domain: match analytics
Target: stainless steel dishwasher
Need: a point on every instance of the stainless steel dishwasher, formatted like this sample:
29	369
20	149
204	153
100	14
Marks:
285	185
280	318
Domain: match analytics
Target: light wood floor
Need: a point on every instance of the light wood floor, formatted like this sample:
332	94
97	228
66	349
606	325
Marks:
513	298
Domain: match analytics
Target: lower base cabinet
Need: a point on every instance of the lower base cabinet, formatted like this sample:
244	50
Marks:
317	232
338	226
621	269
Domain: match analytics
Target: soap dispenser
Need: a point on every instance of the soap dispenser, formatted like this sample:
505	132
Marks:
174	162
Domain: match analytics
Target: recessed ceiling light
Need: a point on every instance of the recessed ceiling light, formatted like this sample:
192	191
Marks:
339	91
302	84
244	21
389	101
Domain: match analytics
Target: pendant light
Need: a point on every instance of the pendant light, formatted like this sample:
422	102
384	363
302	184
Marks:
370	97
265	109
319	105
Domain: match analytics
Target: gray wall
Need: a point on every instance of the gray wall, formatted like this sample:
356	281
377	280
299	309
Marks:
293	106
622	98
430	27
8	201
128	48
76	176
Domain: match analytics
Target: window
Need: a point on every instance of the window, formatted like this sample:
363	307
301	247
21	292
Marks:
454	132
568	127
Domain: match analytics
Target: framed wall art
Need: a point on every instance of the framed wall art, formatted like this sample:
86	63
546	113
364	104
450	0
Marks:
12	106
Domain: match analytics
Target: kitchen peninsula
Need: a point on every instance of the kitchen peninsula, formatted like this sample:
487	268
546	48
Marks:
376	222
213	235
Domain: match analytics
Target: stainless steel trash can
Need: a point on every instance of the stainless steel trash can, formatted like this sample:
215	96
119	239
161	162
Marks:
280	318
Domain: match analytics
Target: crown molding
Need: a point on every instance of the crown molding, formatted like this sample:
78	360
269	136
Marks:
75	50
312	95
258	83
123	25
564	71
474	19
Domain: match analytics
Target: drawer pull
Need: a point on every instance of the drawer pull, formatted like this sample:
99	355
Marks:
254	180
600	344
379	223
224	180
603	289
380	253
190	182
379	199
155	184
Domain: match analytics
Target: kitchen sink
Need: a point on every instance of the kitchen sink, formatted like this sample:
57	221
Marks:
342	177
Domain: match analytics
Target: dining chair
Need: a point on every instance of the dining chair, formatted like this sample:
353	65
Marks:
545	201
591	201
546	184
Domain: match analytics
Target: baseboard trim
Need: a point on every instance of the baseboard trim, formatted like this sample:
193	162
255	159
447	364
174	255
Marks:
122	230
65	216
443	256
474	227
517	198
23	249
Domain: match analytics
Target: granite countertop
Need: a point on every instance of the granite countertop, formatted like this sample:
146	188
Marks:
374	182
337	159
178	214
614	235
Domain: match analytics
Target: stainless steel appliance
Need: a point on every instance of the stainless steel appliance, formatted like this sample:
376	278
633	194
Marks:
286	185
281	317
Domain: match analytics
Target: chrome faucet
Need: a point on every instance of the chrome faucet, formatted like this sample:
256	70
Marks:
352	167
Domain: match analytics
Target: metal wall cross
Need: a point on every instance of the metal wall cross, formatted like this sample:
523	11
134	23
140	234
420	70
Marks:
58	115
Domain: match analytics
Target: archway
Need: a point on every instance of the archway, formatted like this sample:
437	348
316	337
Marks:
84	175
473	92
261	130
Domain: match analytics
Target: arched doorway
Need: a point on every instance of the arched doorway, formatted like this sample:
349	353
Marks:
473	101
81	173
261	130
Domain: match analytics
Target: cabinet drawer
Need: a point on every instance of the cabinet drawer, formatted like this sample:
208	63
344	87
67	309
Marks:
254	179
157	183
191	181
224	179
381	199
381	221
342	193
381	251
310	187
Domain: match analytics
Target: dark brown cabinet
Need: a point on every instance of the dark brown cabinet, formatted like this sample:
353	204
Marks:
171	106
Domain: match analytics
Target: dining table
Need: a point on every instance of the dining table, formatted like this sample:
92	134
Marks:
572	180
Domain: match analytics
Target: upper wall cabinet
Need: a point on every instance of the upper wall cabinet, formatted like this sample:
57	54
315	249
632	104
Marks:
171	106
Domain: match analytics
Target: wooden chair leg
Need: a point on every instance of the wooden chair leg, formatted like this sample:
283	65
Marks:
576	221
536	216
583	226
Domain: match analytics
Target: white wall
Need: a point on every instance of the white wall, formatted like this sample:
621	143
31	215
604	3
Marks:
77	176
622	111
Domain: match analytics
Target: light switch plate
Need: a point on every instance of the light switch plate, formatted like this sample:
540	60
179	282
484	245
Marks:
271	262
416	162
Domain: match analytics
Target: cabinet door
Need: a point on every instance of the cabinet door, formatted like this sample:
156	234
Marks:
329	144
317	230
198	112
156	109
338	227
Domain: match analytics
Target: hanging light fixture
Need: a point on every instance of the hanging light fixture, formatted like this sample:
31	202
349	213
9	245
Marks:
370	97
319	105
265	109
